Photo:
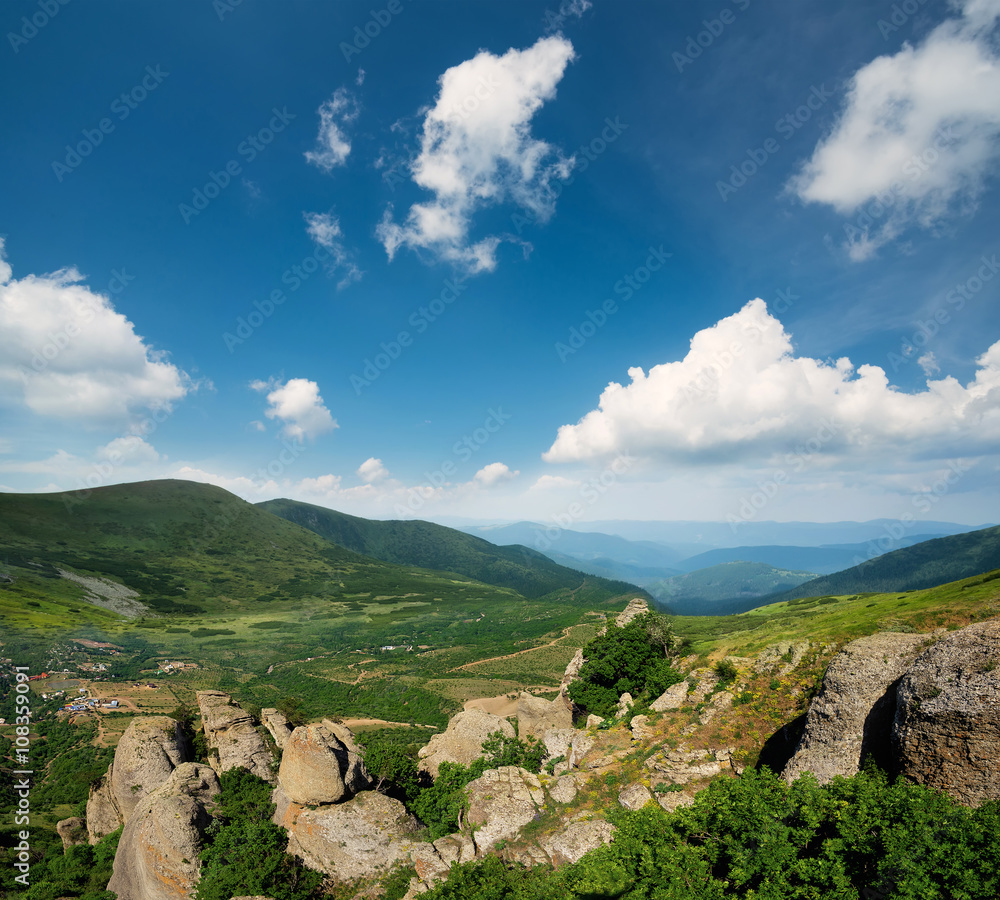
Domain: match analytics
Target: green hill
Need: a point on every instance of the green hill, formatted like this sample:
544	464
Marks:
417	543
923	565
730	587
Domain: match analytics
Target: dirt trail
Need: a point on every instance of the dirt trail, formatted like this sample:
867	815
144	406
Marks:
480	662
361	723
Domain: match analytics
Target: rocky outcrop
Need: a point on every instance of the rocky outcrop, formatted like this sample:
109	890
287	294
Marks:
672	698
640	728
636	607
231	734
158	854
462	741
501	802
946	731
625	703
781	658
317	768
149	750
852	715
536	715
72	831
277	724
570	843
681	766
358	838
635	796
563	790
572	672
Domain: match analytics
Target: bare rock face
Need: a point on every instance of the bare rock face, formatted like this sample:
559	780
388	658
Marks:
359	838
947	719
536	716
102	814
149	750
672	698
462	741
501	802
564	790
343	734
851	717
781	658
277	724
157	856
577	838
625	702
635	796
682	766
73	831
230	732
317	768
639	726
572	672
636	607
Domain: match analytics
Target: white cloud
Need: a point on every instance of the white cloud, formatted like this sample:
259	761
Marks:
333	146
477	151
576	8
325	230
298	404
129	450
67	353
928	362
741	394
493	474
554	482
372	470
918	137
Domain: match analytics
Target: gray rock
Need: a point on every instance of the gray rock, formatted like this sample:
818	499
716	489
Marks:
102	814
636	607
462	741
536	716
316	768
851	717
683	766
672	698
639	726
158	855
501	802
593	721
72	831
149	750
635	796
564	789
277	724
570	843
572	671
558	741
947	719
230	732
625	702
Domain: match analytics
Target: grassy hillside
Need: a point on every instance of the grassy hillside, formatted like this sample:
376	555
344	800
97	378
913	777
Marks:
433	546
923	565
731	587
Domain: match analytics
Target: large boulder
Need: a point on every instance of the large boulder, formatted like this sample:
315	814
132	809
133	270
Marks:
230	732
570	843
149	750
317	768
72	831
358	838
636	607
158	854
462	741
947	718
536	715
851	717
102	814
501	802
277	724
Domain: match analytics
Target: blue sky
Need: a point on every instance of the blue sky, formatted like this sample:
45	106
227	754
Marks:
682	260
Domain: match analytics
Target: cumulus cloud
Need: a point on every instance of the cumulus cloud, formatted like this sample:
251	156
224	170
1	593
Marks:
325	230
477	150
332	144
298	404
554	482
741	394
129	450
918	136
493	474
67	353
372	470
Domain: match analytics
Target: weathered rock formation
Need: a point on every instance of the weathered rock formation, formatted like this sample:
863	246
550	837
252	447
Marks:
318	768
852	715
570	843
635	796
72	831
636	607
946	732
277	724
501	802
462	740
536	715
149	750
231	734
158	855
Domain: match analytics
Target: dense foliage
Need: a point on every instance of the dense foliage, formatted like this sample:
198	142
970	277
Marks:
245	851
636	659
82	871
862	838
